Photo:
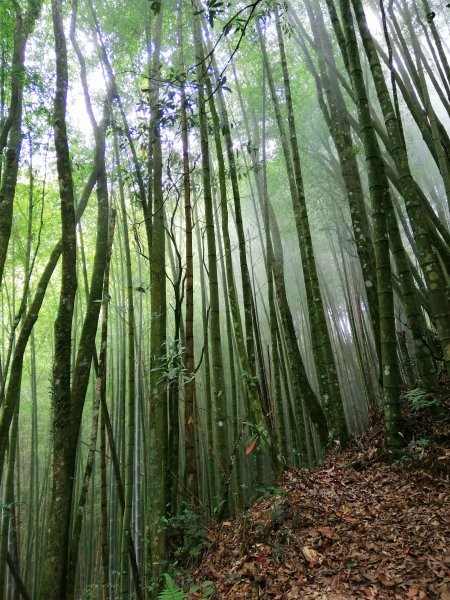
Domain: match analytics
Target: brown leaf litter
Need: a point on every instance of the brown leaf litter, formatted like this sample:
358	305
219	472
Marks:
355	528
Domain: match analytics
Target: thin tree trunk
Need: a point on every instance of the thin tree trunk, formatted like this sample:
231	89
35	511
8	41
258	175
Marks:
190	408
158	424
11	127
219	393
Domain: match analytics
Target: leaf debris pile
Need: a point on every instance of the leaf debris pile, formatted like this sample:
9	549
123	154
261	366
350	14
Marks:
353	528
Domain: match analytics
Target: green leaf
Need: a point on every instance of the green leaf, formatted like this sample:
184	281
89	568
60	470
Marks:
171	591
205	589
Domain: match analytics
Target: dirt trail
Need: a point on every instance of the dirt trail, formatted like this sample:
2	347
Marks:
355	528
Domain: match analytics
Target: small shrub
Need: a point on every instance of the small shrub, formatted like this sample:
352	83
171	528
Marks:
418	400
417	448
414	452
191	539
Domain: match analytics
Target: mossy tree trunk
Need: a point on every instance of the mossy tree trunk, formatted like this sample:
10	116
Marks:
158	419
53	581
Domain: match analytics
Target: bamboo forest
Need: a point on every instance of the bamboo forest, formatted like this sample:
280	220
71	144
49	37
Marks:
225	299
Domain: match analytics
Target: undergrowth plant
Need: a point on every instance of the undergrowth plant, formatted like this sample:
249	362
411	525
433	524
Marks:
198	591
417	448
413	452
192	536
418	400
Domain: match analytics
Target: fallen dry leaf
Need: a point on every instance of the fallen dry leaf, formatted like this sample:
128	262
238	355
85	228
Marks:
326	531
369	592
312	556
385	580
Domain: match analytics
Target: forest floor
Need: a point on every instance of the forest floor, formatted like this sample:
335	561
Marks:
357	527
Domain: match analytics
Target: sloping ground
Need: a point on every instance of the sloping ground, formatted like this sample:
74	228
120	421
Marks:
354	528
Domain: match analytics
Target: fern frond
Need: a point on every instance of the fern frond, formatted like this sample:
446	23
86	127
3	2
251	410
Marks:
171	591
